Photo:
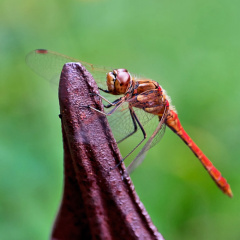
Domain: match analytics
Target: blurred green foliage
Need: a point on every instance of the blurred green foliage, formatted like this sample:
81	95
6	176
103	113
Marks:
191	48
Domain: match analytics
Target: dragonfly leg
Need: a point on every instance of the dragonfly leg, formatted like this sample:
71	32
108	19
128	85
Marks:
114	103
144	137
159	131
120	102
134	124
104	90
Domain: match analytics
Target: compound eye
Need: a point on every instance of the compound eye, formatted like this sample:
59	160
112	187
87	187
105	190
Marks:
123	77
118	81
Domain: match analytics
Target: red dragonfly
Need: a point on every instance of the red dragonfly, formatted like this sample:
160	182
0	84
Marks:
143	100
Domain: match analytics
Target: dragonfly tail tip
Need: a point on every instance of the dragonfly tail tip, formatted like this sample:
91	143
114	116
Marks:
229	192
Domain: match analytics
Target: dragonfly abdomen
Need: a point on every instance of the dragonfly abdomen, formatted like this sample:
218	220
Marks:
174	124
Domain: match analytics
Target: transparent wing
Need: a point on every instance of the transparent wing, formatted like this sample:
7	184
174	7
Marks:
153	140
48	64
122	123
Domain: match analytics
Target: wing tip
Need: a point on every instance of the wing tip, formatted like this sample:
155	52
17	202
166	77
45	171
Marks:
41	51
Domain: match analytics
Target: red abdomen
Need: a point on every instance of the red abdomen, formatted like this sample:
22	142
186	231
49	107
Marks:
174	124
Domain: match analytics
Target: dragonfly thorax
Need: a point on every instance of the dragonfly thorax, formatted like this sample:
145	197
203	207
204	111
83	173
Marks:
118	81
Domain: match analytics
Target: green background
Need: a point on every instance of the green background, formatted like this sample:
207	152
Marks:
191	48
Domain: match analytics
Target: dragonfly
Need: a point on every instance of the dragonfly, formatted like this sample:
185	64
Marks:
140	102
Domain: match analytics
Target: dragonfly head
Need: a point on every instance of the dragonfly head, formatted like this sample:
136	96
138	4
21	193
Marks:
118	81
